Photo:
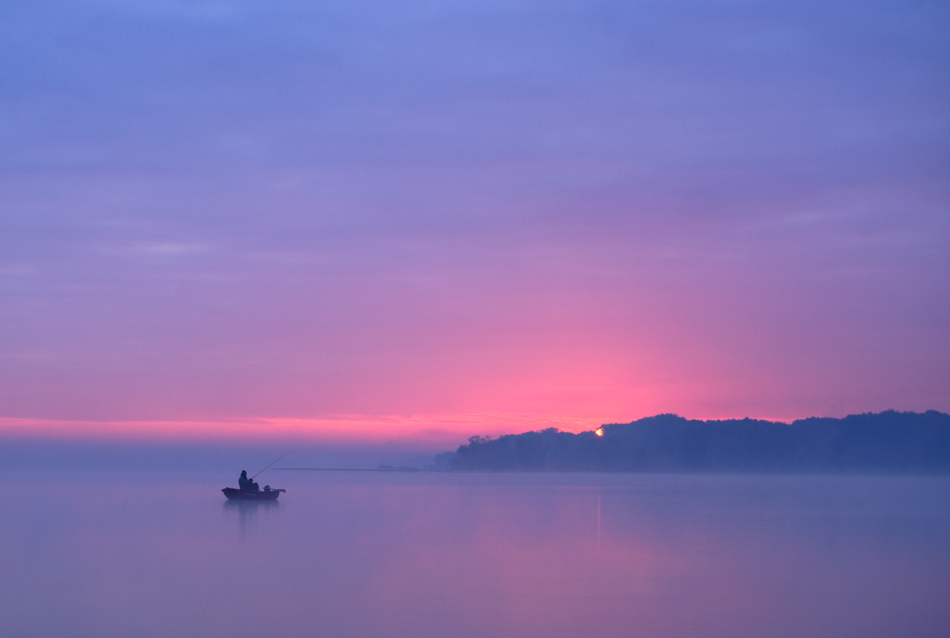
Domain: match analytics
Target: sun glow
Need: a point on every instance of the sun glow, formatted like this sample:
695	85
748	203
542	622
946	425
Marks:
437	429
599	431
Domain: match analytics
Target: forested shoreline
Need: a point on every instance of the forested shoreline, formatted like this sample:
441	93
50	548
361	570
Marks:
886	442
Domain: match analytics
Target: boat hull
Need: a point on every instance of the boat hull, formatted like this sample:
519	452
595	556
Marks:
234	494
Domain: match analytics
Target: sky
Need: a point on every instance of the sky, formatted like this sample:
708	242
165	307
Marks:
384	220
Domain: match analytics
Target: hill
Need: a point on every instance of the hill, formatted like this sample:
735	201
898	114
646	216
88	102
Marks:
888	442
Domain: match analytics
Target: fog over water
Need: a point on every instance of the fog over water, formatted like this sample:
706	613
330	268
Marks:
161	553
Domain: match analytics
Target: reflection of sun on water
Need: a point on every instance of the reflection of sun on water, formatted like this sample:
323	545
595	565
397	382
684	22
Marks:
599	431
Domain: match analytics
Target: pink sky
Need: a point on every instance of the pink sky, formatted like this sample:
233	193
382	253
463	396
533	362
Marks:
369	224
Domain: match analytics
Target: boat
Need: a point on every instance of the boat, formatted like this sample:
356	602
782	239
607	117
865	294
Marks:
267	494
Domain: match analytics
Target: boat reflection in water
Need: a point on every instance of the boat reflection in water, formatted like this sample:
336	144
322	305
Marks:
248	510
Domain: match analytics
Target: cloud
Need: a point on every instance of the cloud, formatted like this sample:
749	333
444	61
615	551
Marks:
302	209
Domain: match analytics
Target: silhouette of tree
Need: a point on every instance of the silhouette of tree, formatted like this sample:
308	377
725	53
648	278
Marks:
901	442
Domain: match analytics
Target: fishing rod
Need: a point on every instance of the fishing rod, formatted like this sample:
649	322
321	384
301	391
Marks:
252	478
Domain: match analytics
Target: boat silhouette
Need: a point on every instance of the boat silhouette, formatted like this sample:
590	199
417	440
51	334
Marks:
267	494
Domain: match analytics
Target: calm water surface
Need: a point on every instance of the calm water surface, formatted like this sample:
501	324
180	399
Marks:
422	555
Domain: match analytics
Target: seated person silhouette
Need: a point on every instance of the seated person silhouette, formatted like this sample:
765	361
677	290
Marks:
246	484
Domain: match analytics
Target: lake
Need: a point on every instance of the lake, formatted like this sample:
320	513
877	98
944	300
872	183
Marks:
429	554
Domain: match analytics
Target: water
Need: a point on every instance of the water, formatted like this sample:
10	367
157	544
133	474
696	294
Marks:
161	554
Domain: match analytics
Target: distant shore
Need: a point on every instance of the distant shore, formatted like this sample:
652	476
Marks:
887	442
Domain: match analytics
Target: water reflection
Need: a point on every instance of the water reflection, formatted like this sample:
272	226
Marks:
447	555
247	511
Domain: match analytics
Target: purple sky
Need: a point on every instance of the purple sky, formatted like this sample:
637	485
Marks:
472	212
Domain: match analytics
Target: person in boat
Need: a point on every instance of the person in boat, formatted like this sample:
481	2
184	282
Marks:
246	484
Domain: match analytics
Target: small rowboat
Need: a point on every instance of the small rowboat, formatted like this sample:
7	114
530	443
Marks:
235	494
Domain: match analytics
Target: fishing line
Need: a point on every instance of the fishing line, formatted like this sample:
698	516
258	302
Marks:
288	453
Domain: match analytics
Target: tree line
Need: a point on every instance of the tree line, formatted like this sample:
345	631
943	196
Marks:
887	442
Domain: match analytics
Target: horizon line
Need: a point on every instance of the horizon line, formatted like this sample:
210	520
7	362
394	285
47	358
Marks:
439	429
